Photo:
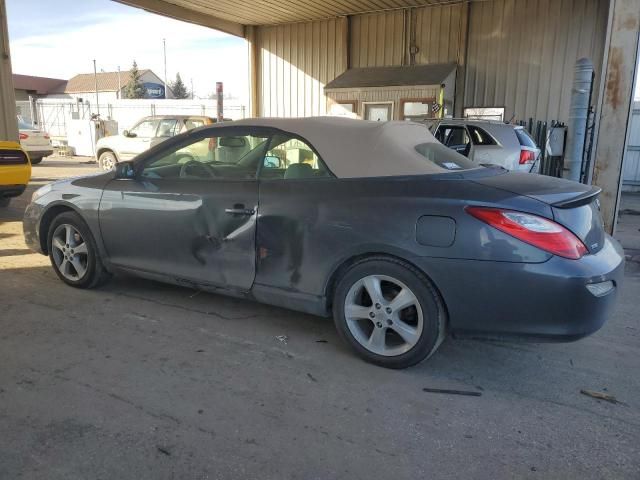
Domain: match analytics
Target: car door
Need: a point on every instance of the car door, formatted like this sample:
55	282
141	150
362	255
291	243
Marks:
167	128
294	194
138	139
190	219
456	138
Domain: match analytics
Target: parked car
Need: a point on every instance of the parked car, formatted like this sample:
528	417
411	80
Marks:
34	141
401	239
15	171
148	132
484	142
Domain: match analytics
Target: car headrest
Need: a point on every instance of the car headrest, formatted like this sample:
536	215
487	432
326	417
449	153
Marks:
298	170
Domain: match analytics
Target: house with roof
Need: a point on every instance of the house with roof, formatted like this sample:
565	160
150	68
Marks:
111	85
26	86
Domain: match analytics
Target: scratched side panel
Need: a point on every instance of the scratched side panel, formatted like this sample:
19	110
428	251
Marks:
306	228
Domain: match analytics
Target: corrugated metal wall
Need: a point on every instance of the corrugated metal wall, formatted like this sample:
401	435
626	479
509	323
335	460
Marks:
438	33
521	53
295	61
377	40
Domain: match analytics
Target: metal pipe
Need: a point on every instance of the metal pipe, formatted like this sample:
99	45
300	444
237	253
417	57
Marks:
578	116
95	80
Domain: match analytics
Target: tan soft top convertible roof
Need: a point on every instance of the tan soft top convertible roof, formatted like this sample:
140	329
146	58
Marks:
357	148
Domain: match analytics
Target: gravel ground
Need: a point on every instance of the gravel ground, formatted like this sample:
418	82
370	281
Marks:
139	380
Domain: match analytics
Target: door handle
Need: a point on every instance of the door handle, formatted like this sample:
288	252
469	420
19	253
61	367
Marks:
239	210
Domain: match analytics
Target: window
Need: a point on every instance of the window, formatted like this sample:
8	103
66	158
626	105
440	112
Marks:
480	137
485	113
378	112
22	125
145	129
524	138
416	110
444	157
225	156
167	127
346	108
292	158
191	123
454	137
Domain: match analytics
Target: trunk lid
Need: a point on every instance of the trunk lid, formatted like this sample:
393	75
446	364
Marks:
574	205
36	138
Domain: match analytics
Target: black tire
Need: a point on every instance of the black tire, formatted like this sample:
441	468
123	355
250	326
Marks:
95	274
432	307
35	161
4	202
106	159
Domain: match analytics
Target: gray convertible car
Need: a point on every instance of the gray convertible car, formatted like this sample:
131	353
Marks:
399	238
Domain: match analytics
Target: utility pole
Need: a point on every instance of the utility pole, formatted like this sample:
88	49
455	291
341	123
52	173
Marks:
164	47
95	81
119	85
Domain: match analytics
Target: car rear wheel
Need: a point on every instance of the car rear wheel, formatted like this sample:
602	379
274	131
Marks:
389	312
4	202
73	252
107	161
35	161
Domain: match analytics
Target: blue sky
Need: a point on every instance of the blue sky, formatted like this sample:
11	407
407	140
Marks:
60	38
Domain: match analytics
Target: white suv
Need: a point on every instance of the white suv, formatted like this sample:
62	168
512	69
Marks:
148	132
490	142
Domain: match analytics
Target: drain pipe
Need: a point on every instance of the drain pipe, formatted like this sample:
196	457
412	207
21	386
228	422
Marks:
578	116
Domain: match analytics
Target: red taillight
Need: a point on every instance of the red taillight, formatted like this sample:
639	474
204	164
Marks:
527	156
46	136
532	229
23	136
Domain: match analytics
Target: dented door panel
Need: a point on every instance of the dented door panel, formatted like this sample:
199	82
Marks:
182	229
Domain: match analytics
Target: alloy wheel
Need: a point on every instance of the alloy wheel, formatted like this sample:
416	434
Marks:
108	161
70	253
383	315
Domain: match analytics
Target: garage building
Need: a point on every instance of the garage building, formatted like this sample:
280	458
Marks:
514	55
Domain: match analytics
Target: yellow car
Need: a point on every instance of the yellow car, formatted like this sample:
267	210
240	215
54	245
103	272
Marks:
15	171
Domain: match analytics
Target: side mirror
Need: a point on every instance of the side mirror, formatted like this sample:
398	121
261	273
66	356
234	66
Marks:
124	170
271	161
129	134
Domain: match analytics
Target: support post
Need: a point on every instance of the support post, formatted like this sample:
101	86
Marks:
254	66
616	95
8	122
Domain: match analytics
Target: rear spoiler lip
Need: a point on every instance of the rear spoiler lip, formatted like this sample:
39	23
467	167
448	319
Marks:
582	199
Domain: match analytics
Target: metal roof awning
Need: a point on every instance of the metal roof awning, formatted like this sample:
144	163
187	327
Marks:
231	16
434	74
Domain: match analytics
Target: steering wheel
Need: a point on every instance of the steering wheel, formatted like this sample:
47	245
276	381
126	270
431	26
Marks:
194	168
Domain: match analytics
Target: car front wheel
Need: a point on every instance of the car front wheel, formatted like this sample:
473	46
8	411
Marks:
73	252
389	312
107	161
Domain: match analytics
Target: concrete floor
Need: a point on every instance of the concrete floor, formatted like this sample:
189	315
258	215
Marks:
138	380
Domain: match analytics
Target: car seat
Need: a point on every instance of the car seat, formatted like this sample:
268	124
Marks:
298	170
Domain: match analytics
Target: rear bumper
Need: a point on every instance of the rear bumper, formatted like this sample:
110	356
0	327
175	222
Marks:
39	153
9	191
538	301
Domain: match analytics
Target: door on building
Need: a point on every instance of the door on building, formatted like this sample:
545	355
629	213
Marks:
378	112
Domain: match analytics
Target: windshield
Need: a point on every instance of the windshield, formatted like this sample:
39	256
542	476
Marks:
22	125
444	157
